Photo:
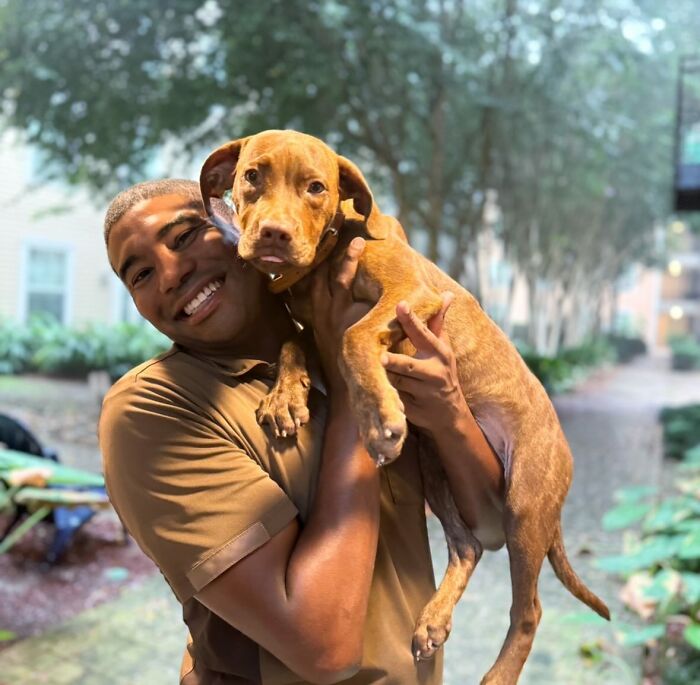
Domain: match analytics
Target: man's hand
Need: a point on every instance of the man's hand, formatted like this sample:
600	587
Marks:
428	383
334	310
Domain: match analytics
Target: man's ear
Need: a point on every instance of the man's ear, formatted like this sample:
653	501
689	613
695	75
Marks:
352	185
218	172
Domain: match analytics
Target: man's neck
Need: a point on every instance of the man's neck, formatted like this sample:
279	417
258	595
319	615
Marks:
262	340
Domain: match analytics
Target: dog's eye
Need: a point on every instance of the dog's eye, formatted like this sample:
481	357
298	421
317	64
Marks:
252	176
316	187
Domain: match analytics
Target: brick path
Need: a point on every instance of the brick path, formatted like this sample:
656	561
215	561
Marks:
611	424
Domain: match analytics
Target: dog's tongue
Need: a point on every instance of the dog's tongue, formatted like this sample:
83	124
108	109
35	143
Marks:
271	258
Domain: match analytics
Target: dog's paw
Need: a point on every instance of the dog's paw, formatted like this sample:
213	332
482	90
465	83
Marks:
429	637
384	431
284	409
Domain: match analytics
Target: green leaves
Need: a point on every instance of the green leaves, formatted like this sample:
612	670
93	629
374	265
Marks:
625	515
52	348
633	636
692	635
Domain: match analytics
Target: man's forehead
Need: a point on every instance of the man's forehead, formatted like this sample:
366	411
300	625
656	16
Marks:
142	222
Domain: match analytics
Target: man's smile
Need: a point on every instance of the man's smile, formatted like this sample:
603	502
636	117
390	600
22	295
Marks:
200	301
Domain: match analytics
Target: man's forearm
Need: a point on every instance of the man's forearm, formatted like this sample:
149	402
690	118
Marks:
330	570
473	470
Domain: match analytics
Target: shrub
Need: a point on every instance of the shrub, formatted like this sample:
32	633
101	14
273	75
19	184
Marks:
626	347
49	347
685	353
662	567
681	429
560	373
15	348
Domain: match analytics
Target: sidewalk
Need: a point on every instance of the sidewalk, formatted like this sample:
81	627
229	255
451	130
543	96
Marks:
611	424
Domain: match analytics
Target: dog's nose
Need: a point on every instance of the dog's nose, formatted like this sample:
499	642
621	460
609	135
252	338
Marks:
274	232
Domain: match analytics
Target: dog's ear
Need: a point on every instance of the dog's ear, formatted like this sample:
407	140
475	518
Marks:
352	185
219	171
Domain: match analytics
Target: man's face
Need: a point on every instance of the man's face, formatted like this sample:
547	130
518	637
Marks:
183	274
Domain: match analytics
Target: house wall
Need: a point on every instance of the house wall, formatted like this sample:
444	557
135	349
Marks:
44	214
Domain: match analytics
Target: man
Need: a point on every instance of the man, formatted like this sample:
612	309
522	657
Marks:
295	559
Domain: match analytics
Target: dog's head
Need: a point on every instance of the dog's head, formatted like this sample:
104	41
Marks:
286	187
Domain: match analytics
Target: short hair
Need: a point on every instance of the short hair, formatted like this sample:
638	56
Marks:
147	190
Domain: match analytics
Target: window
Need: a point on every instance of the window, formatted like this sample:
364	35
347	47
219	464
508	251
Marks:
46	285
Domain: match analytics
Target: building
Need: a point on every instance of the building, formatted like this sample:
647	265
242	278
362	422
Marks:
52	255
679	311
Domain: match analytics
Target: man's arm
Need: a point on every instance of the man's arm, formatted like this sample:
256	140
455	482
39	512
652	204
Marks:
303	595
429	388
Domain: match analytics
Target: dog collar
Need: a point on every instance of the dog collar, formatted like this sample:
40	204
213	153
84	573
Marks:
328	241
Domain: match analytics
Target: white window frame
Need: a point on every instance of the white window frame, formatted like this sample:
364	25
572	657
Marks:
46	244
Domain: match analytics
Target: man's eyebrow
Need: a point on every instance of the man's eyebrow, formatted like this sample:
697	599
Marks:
182	217
190	215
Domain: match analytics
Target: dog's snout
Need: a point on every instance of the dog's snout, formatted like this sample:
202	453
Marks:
274	232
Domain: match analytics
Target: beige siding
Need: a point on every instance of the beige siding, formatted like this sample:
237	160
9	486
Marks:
48	214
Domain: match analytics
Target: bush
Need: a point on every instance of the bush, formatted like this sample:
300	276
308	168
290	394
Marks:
685	353
15	348
681	429
626	347
49	347
662	567
560	373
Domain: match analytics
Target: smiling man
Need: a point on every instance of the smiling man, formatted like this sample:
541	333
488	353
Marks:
295	559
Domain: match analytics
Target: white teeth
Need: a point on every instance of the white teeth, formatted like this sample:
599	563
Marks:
196	301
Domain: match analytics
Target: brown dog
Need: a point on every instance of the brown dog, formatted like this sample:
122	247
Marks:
288	188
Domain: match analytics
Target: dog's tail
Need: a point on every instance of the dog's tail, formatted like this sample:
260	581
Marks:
567	575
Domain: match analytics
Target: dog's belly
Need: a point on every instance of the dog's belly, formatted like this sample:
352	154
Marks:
493	428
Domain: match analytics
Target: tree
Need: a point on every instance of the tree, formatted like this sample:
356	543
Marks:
548	103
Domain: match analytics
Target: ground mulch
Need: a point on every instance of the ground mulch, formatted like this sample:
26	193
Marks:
97	567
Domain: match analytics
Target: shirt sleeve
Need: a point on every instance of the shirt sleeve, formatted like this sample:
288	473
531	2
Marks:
194	501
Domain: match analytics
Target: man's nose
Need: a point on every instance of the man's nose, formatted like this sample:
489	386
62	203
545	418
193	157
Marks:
175	269
274	232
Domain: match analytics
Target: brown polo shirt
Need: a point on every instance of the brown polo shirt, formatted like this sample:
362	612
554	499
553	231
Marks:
199	484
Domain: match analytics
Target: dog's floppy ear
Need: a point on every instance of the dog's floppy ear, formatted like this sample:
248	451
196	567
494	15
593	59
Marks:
219	171
352	185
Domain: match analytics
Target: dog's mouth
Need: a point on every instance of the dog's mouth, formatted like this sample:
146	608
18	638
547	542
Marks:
271	263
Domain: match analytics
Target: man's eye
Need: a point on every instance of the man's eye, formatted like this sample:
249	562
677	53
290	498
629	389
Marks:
252	176
316	187
140	276
183	238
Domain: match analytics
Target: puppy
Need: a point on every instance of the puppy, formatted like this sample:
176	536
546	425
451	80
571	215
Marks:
300	203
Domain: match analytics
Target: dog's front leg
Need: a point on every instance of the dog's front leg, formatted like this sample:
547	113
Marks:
285	408
375	401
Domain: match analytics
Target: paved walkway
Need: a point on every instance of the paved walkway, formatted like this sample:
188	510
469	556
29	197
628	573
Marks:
611	425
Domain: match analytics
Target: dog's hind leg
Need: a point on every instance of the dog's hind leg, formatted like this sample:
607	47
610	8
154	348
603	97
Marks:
529	535
464	550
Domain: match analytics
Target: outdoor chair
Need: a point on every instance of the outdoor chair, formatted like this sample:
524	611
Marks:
14	435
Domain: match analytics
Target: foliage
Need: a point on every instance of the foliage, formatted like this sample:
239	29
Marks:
627	347
685	352
681	427
662	566
561	372
15	348
48	347
440	103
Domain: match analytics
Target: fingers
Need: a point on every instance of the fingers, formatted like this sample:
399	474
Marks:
404	365
435	324
423	339
347	270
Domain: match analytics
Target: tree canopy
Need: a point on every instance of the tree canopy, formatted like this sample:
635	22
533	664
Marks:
564	108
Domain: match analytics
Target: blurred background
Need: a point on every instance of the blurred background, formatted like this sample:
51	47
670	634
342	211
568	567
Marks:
545	153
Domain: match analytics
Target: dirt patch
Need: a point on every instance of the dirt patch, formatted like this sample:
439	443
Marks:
97	567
